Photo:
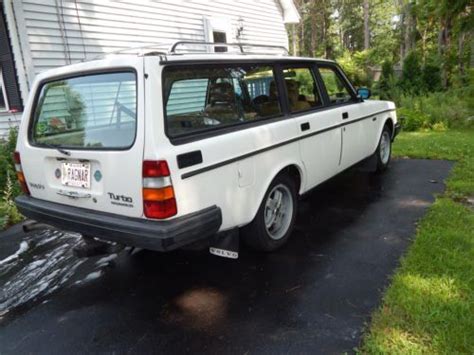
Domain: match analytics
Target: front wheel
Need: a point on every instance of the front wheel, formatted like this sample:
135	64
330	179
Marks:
384	150
275	218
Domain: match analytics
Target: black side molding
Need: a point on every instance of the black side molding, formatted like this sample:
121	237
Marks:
189	159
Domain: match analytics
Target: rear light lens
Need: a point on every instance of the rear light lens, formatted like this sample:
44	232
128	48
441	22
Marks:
152	168
160	209
19	173
158	195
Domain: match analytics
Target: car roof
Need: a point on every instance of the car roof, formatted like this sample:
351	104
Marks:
215	57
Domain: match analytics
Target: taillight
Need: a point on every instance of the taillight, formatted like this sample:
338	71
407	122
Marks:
19	173
158	195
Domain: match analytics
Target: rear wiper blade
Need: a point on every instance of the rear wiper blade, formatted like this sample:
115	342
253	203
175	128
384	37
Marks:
59	149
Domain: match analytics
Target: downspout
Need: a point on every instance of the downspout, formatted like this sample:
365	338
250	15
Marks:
18	51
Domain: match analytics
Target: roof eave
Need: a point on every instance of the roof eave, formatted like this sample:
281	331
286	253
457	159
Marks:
290	12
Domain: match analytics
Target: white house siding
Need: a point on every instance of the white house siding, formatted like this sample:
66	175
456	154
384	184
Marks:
8	121
61	32
54	33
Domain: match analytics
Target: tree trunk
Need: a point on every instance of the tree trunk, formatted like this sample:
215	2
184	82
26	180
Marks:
408	30
302	46
366	25
293	38
462	37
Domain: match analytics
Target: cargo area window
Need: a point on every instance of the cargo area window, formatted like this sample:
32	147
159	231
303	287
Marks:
202	98
96	111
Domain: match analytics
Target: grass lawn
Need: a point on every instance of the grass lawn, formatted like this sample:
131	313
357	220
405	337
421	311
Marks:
429	306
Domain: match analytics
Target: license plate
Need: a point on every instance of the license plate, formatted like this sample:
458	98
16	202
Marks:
76	175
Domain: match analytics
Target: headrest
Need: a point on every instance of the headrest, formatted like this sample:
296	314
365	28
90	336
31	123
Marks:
221	93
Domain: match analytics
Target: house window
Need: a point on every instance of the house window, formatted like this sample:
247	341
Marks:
3	94
219	37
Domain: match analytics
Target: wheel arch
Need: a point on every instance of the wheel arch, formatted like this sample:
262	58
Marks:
389	122
294	169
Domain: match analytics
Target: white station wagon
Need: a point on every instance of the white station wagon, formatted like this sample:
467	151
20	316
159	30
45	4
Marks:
160	150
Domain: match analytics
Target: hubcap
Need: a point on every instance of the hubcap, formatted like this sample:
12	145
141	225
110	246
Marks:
278	211
385	147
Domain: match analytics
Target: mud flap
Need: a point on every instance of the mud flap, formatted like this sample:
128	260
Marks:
225	244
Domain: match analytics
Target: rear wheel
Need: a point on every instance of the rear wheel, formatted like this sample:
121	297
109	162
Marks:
275	218
384	150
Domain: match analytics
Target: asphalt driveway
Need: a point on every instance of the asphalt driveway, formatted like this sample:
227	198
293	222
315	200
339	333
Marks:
313	296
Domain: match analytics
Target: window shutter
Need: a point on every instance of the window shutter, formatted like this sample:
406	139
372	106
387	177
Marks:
10	79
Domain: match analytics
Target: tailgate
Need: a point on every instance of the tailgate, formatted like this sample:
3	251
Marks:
83	144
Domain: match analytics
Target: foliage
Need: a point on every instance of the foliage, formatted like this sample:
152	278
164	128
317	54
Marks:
7	166
356	67
9	187
387	81
447	109
411	75
431	78
8	212
431	40
429	305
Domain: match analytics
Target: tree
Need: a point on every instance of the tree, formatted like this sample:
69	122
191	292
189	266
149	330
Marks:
387	80
411	74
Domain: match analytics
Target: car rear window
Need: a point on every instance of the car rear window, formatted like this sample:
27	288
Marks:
202	98
96	111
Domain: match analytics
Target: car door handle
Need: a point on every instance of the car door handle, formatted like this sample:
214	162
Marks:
345	115
305	126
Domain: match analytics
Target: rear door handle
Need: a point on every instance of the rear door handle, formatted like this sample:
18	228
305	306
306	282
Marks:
345	115
305	126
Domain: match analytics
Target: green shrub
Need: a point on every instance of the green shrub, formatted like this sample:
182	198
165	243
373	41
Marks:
8	212
356	68
7	166
411	80
413	120
385	84
438	110
9	187
431	77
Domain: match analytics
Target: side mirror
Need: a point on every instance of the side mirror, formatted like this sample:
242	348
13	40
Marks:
363	93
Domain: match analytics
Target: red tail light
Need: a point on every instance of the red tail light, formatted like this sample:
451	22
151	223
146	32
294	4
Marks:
152	168
158	195
19	173
160	209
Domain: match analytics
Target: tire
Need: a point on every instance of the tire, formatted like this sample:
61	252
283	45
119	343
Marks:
383	153
275	219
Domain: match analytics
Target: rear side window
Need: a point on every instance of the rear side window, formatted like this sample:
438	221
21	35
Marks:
336	87
202	98
96	111
303	93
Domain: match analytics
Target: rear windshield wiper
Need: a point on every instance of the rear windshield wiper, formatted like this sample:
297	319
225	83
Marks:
59	149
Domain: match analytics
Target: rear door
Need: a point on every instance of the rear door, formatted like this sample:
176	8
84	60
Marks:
83	143
320	146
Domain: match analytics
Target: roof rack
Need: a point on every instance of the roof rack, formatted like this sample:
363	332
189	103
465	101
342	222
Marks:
240	46
164	49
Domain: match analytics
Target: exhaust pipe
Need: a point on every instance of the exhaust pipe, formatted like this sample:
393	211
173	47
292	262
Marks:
31	226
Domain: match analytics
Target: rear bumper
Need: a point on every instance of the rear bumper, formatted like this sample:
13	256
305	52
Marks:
143	233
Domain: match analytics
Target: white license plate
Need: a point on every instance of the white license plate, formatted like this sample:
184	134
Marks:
76	174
